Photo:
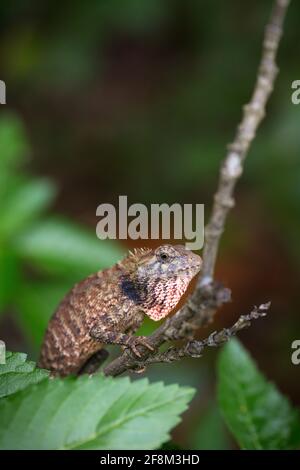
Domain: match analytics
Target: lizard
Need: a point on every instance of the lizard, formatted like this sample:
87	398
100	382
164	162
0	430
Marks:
108	307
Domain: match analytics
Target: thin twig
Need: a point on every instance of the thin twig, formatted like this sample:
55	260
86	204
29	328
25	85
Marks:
232	166
195	348
209	296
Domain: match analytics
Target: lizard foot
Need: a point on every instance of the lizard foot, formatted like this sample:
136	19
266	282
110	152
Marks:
135	341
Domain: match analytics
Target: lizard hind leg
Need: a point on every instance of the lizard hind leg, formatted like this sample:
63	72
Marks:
93	364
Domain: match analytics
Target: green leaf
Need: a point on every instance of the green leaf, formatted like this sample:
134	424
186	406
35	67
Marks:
18	373
60	247
36	302
91	413
256	413
23	204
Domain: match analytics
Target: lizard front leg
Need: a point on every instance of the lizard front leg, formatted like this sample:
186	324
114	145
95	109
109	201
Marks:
104	335
133	327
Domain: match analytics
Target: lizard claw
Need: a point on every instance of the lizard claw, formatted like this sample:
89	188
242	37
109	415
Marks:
137	341
140	370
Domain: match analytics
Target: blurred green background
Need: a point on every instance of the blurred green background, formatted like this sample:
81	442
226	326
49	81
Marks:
140	97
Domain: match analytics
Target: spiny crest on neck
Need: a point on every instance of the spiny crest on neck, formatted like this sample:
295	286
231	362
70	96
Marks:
130	262
137	253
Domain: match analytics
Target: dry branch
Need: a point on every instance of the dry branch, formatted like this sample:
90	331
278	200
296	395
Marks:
209	295
195	348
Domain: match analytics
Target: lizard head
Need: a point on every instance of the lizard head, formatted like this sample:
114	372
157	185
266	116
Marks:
158	278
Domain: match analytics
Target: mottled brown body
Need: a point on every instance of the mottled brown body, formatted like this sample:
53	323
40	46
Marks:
107	307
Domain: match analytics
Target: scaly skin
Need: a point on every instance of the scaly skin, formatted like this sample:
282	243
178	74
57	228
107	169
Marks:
109	306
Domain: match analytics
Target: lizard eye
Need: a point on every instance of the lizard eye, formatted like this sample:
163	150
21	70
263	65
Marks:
163	256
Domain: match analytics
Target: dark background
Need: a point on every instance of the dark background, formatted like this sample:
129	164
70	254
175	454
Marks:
140	97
